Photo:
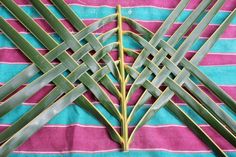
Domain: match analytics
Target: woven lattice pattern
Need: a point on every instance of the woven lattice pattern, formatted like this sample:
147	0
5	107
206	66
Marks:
91	68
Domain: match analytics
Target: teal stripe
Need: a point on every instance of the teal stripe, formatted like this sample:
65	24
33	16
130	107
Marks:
141	13
125	154
8	71
6	42
222	45
222	75
75	114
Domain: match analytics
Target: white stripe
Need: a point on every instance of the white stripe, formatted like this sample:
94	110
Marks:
131	7
25	63
117	105
116	84
103	127
128	63
138	20
113	150
190	51
99	33
15	48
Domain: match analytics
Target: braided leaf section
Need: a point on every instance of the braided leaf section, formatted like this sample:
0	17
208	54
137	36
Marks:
91	68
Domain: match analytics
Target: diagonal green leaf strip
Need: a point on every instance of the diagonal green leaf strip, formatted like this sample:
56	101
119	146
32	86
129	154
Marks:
91	65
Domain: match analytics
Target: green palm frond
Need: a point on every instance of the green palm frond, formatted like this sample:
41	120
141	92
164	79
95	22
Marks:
86	73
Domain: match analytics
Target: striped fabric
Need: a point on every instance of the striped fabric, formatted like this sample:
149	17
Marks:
74	132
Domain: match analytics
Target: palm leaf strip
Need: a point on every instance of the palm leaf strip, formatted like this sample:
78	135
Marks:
210	104
81	62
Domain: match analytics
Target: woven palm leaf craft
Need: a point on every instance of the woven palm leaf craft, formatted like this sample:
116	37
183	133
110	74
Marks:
91	68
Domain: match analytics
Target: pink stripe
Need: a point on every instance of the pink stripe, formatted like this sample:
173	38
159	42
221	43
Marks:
37	96
228	6
11	56
216	59
15	55
151	25
231	90
75	137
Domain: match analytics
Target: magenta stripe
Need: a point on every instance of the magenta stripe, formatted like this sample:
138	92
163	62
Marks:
15	55
215	59
231	90
76	137
12	56
37	96
228	6
151	25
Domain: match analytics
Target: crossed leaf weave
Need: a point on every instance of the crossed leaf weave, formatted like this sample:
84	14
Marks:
91	67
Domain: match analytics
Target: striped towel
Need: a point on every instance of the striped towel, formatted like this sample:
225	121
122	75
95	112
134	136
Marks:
76	133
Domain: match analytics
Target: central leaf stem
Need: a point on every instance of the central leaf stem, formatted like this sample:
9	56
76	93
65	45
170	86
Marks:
123	103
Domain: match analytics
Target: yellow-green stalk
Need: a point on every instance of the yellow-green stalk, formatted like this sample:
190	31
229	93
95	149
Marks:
124	126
